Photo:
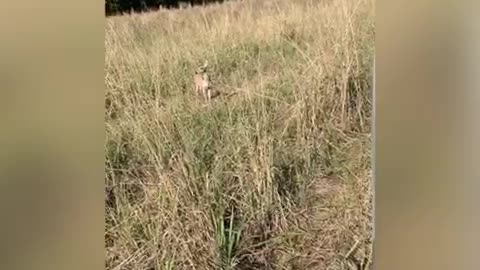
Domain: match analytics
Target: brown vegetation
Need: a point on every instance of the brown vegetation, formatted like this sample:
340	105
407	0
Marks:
274	177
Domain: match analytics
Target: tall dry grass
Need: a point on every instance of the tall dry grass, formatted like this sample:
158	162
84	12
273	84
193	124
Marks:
276	176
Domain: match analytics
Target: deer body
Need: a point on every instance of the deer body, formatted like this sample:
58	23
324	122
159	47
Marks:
202	83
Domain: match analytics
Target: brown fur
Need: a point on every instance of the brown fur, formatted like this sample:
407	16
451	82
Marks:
202	83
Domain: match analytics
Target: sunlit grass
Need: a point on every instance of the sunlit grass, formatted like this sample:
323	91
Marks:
276	176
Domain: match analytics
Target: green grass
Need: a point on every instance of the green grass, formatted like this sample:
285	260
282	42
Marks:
276	176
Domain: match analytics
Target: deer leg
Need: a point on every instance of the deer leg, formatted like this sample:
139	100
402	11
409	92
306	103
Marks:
204	93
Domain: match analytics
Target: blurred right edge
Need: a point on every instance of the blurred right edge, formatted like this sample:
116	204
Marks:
425	152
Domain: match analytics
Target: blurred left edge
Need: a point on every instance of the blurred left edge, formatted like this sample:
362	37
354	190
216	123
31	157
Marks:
52	157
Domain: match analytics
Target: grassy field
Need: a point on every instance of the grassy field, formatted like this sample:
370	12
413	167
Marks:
276	172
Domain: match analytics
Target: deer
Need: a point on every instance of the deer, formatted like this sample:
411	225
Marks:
202	83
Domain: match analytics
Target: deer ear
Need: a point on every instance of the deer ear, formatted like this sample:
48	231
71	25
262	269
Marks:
205	65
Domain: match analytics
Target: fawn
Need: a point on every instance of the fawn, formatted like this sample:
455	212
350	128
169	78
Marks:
202	84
